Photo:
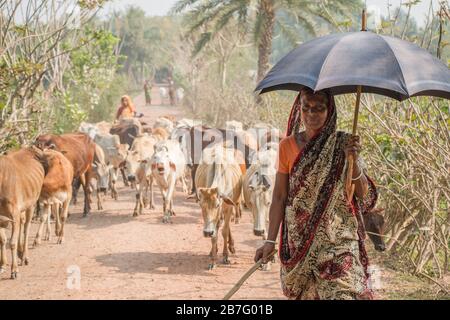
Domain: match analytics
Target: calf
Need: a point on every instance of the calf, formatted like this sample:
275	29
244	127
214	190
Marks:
21	178
55	194
168	166
115	154
218	179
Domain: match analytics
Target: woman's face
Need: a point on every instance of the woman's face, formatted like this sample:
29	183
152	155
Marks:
124	101
314	111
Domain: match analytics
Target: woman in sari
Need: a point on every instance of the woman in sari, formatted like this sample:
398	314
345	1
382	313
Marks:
126	109
321	250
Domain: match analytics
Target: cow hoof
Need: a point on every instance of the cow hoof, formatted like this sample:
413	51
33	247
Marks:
14	275
26	261
211	266
226	261
232	250
36	243
135	214
60	241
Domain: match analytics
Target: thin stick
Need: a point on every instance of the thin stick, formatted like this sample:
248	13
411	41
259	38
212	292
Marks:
241	281
350	187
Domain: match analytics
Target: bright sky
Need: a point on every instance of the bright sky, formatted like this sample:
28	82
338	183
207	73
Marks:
161	7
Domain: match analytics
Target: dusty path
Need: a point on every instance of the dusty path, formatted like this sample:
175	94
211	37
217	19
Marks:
121	257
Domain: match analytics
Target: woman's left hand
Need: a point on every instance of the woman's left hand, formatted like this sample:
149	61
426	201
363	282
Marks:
353	147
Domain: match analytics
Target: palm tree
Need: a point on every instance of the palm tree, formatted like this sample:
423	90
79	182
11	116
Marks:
260	18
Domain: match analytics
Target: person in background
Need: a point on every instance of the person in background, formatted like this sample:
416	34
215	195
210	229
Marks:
147	90
126	109
171	91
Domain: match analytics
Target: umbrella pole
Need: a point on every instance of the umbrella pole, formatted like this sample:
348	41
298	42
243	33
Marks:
350	187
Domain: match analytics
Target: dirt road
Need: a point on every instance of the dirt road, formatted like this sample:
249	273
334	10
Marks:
121	257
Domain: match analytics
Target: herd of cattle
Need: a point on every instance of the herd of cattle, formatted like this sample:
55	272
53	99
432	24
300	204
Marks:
227	169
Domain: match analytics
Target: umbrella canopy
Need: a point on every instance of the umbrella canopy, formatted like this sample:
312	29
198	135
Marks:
379	64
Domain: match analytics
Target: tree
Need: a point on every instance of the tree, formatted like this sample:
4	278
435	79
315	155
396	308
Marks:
260	17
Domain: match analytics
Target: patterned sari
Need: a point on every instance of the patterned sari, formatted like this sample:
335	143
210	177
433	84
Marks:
322	236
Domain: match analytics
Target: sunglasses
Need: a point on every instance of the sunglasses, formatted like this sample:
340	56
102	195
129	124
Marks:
315	109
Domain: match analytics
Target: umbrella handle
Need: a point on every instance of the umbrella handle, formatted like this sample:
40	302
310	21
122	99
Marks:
349	186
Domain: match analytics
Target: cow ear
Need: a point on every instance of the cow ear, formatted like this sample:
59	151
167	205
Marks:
52	146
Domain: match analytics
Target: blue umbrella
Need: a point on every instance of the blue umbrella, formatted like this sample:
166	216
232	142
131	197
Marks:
357	62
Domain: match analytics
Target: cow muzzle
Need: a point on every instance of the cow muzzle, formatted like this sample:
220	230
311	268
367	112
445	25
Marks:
258	233
131	178
209	234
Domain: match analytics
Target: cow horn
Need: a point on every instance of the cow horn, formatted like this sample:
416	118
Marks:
5	219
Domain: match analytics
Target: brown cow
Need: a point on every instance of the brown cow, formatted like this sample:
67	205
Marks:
55	194
79	149
21	177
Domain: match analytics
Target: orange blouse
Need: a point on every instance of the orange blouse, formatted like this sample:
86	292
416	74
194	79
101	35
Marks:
287	153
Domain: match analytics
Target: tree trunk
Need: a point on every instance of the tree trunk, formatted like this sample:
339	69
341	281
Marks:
267	11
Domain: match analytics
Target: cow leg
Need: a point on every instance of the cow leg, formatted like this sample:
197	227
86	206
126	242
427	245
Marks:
213	253
64	212
238	212
20	239
85	178
99	200
75	187
28	217
13	243
3	241
151	204
44	215
226	234
125	180
168	211
113	179
139	200
193	171
48	231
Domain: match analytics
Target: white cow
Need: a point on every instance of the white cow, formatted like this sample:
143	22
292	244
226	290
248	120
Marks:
138	171
115	154
168	165
258	186
164	123
89	128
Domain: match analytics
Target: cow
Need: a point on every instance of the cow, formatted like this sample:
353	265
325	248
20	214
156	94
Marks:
101	172
163	93
201	137
22	175
127	132
79	149
374	226
160	133
137	173
88	128
163	122
258	186
219	183
168	166
115	154
55	195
